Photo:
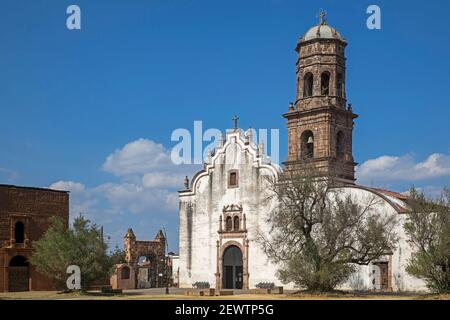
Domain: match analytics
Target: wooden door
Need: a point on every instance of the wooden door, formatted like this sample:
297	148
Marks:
228	281
18	279
384	276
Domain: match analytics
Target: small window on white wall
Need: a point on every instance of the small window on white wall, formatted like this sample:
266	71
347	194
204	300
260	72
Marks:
233	179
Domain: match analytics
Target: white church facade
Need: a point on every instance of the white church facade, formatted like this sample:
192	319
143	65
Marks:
226	205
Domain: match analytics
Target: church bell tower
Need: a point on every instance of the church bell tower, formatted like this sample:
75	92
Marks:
320	124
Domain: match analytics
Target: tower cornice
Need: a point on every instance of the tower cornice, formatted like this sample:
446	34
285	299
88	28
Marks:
318	110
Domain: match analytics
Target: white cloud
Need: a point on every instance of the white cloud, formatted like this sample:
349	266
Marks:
82	200
129	197
71	186
162	180
403	168
146	185
137	157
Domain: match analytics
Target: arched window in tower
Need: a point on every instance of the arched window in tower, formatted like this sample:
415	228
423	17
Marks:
325	83
340	144
308	85
339	83
307	145
228	224
19	232
236	223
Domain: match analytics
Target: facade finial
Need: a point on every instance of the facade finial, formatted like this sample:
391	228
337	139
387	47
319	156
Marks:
235	119
322	16
250	134
186	183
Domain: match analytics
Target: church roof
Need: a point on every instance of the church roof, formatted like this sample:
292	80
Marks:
398	201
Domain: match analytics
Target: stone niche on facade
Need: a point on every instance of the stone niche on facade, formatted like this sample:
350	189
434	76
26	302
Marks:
232	221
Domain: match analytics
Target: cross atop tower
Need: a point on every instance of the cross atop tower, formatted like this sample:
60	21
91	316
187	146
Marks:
235	119
322	17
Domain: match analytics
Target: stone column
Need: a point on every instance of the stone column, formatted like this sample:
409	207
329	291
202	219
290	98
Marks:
390	273
246	274
218	265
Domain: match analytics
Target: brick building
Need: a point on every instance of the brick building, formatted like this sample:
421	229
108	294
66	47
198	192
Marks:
24	218
319	123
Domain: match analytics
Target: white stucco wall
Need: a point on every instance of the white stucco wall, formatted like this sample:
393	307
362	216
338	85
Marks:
400	279
201	207
200	211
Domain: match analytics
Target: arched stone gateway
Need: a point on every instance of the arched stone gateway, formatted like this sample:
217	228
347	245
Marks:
145	261
18	274
147	269
232	268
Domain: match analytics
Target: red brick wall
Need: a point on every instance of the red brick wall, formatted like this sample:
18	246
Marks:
33	207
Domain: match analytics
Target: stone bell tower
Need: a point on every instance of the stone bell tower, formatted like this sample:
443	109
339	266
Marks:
320	123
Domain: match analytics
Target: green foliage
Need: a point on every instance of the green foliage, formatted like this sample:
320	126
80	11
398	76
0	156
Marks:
319	234
81	245
428	231
324	276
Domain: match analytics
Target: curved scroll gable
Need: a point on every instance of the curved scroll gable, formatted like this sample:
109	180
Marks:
238	137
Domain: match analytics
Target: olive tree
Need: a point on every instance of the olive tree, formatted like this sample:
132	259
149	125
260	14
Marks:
428	230
81	245
319	234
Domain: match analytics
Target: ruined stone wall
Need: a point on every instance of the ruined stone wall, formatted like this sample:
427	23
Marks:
33	207
154	250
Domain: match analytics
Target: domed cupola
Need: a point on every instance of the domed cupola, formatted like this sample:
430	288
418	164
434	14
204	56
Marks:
322	31
320	123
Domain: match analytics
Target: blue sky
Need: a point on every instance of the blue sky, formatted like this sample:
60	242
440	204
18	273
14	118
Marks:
77	106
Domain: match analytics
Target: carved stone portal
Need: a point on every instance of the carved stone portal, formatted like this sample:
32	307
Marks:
232	249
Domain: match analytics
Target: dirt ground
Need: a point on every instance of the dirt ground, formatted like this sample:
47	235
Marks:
178	294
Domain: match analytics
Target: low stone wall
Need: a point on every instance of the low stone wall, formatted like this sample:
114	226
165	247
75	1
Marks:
274	290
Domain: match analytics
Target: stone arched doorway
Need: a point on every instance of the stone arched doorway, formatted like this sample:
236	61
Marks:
18	274
232	268
147	271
